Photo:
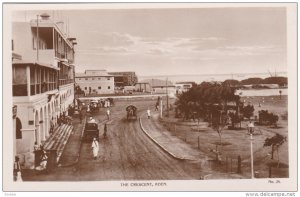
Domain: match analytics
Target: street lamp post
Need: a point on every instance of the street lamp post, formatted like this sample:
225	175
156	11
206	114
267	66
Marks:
251	149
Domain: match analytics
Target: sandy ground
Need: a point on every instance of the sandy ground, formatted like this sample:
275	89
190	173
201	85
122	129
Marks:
237	142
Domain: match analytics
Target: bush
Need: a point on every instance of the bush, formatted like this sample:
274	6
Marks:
267	118
284	116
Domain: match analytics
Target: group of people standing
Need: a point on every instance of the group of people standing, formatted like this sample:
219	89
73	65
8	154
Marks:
64	119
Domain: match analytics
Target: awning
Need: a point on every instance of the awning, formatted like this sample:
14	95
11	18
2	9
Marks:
66	63
24	62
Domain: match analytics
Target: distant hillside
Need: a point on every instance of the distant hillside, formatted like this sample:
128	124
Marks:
281	81
156	82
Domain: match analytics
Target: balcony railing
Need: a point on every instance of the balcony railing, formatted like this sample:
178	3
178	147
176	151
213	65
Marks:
45	87
65	81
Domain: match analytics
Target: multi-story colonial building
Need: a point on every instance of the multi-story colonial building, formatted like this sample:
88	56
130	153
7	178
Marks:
124	78
43	81
95	82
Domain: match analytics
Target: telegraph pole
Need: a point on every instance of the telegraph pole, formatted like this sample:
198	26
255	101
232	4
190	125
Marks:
161	108
167	97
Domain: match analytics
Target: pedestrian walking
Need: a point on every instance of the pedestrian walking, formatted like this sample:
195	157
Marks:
250	127
105	130
156	106
95	148
148	113
17	170
88	108
108	113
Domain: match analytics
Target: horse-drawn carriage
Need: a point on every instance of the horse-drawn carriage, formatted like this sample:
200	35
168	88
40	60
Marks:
131	112
91	130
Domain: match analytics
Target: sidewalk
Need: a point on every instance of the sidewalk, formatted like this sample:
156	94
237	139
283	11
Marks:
171	144
71	151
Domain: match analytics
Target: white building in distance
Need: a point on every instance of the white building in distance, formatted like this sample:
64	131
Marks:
95	82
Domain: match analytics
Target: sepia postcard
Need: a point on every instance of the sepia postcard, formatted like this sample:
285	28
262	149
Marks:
150	97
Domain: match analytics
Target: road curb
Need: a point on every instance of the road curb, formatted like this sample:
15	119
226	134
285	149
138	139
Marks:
159	145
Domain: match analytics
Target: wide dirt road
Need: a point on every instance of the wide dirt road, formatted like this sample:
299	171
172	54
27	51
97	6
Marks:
128	154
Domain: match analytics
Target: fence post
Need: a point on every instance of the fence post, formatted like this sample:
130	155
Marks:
226	164
231	165
198	143
239	171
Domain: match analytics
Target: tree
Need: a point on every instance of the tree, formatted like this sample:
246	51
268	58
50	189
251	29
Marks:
273	119
234	118
247	111
203	97
218	124
275	142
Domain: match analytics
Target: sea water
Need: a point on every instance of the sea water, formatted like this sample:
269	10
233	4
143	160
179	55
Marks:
222	77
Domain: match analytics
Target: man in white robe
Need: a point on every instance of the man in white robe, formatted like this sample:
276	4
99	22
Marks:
95	148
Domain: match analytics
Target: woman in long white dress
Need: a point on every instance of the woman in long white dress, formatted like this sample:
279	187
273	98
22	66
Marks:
95	148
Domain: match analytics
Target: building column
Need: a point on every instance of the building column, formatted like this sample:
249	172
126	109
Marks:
46	123
37	135
42	126
28	80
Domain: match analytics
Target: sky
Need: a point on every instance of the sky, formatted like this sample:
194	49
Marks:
177	41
